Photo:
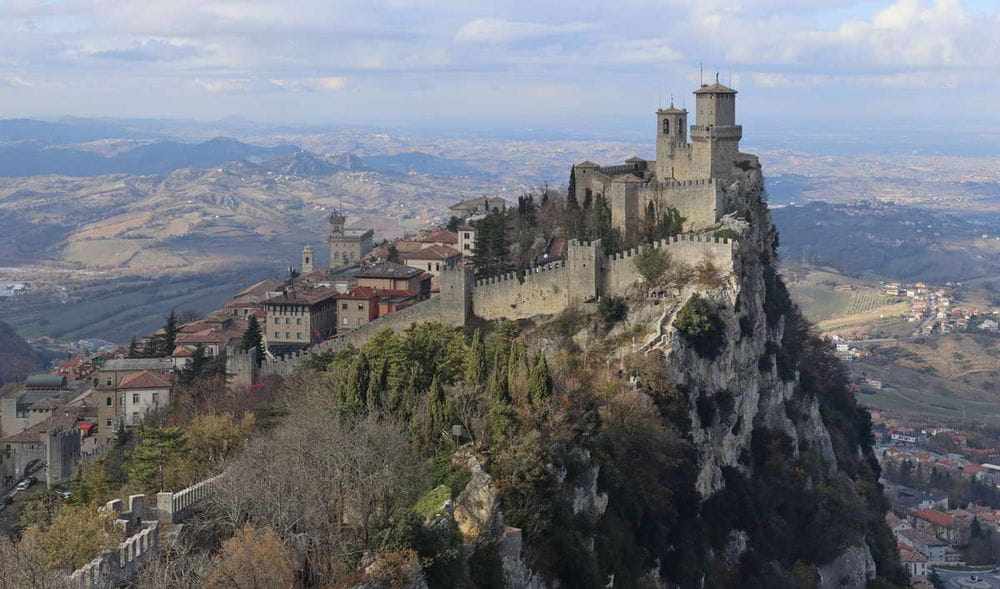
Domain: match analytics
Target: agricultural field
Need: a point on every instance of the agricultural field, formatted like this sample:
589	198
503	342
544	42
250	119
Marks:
838	303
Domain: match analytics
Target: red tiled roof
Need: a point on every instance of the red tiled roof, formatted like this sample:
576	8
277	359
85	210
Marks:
434	252
182	352
935	517
439	235
146	380
359	293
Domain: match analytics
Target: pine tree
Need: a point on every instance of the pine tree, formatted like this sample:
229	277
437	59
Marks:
169	335
475	367
252	337
540	384
148	463
133	348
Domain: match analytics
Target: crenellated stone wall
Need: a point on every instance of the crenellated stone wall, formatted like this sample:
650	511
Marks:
620	274
583	276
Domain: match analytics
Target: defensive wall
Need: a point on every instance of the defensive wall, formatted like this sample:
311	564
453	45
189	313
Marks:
114	567
583	276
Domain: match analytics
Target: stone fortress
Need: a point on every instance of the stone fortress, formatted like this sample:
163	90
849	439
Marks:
688	177
701	180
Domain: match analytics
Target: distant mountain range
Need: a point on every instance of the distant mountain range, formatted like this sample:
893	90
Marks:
29	152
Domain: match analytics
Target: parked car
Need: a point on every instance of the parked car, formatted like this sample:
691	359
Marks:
23	485
65	494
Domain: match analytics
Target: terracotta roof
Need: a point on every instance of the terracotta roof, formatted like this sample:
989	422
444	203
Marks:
359	293
146	380
908	555
715	88
46	404
308	297
439	234
182	352
259	289
434	252
935	517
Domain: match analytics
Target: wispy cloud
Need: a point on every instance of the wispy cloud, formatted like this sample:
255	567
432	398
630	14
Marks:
499	30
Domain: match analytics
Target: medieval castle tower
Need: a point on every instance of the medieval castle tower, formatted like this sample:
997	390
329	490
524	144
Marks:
686	176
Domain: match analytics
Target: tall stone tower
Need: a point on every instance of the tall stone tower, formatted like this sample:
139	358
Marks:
671	140
716	137
308	259
337	221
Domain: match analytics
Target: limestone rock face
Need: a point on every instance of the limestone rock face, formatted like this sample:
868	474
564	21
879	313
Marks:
759	396
476	508
850	570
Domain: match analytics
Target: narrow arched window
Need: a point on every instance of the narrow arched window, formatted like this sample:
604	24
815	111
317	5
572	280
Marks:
666	126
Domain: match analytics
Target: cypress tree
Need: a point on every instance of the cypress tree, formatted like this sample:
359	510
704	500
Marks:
436	412
517	372
169	334
253	338
498	390
475	367
356	392
540	384
377	385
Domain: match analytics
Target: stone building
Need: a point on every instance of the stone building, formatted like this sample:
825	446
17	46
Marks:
298	319
686	176
389	276
433	259
108	394
142	393
347	246
356	308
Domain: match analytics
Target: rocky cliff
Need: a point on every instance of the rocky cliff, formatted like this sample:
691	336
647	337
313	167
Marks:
714	445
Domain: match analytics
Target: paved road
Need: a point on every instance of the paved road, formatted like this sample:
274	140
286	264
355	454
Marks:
964	580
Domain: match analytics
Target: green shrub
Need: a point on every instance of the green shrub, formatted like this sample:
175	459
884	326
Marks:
726	233
701	327
611	310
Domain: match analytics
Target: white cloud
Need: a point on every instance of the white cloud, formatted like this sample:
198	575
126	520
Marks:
223	85
320	84
642	51
499	30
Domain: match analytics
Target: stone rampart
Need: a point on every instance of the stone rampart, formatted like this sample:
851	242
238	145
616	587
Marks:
541	290
698	201
112	568
583	276
173	508
620	274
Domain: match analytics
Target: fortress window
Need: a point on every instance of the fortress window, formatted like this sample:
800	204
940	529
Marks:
666	126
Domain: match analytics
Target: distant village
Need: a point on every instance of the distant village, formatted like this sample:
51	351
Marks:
51	422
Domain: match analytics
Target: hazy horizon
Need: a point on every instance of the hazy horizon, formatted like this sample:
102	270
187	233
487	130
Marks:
419	64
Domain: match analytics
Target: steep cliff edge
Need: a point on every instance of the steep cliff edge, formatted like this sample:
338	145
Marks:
711	442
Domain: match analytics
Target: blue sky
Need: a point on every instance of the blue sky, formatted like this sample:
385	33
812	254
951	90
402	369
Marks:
496	63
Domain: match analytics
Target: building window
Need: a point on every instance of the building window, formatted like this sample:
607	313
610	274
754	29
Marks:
276	321
288	335
360	321
109	381
345	321
361	307
108	401
438	266
156	398
429	266
298	321
135	417
276	336
466	247
298	335
135	398
109	422
343	306
666	126
288	321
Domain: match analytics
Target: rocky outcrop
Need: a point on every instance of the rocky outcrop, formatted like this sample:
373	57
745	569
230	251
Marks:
851	570
477	510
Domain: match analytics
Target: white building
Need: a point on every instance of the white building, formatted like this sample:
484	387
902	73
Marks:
142	393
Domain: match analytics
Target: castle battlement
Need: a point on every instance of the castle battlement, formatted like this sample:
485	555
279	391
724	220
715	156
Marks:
680	176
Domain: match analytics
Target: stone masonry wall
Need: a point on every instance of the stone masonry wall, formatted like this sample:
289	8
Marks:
619	269
545	290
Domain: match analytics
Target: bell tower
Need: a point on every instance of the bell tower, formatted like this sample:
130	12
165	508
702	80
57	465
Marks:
671	140
308	259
